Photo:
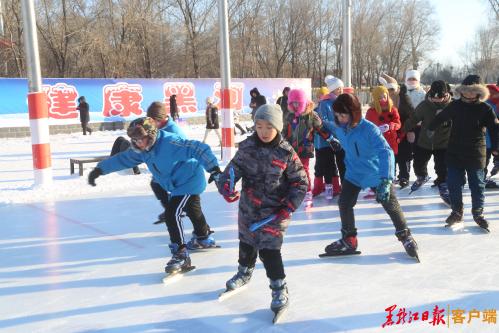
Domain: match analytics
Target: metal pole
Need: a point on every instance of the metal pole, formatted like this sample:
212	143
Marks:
228	149
347	43
37	100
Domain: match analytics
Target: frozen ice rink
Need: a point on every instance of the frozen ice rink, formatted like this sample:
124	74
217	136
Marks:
80	259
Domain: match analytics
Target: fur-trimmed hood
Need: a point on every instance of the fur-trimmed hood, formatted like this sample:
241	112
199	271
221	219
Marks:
478	89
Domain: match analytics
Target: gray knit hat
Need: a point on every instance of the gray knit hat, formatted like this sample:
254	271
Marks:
271	113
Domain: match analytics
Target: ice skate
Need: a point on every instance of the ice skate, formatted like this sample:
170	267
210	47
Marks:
329	191
237	282
403	183
490	184
318	186
369	195
420	181
480	220
455	220
443	190
179	263
308	200
342	247
410	245
280	298
202	243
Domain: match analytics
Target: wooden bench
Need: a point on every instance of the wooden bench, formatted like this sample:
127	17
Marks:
82	160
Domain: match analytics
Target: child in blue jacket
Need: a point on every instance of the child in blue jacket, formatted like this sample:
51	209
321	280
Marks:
369	163
177	165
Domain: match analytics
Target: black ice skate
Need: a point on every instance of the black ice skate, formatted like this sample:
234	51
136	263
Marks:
237	282
480	220
403	183
490	184
455	220
202	242
419	182
410	245
280	298
341	247
444	193
179	263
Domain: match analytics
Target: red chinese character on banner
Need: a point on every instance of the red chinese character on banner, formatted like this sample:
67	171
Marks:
401	315
186	97
61	100
236	95
122	99
389	316
438	316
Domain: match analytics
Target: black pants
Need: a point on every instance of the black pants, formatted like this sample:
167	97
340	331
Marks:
122	144
271	259
191	204
348	200
421	158
160	193
404	158
329	164
85	128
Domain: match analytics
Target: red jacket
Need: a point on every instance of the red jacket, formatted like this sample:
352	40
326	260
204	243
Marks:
392	119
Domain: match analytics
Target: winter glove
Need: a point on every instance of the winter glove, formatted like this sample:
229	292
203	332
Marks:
383	191
334	143
384	128
227	194
93	175
430	133
411	137
214	174
283	214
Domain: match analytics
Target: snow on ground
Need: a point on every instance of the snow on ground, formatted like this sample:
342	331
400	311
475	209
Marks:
77	258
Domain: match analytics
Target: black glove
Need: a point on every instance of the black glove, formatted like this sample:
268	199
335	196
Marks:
334	143
92	176
214	174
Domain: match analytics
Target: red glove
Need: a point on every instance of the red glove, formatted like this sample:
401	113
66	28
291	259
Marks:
230	196
283	214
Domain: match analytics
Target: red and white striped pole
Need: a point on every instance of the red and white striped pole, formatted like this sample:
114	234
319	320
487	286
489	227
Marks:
228	149
37	100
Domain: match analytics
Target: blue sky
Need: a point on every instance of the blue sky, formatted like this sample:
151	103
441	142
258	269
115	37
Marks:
459	20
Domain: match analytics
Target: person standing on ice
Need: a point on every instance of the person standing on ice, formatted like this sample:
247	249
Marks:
466	151
273	182
212	120
177	166
414	91
299	129
84	109
369	163
329	165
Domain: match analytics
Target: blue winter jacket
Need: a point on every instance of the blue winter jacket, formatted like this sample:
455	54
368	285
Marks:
325	112
368	157
175	163
172	127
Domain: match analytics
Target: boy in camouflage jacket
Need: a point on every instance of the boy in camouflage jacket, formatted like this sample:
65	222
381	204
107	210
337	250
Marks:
274	186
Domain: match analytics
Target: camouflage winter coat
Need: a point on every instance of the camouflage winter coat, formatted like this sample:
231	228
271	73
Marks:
299	131
273	178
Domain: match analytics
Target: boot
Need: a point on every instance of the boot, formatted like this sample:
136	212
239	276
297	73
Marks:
456	216
336	186
329	191
410	245
345	245
241	278
480	219
180	259
280	297
201	242
318	186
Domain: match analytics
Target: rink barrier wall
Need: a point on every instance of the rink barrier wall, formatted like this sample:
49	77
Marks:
22	132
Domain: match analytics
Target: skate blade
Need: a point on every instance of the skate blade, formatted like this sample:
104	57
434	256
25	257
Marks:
175	276
456	226
485	230
339	255
279	314
203	249
229	293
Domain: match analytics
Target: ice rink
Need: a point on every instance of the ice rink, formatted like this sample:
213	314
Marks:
80	259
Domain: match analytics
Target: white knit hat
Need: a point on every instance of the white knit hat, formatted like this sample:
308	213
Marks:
412	73
333	83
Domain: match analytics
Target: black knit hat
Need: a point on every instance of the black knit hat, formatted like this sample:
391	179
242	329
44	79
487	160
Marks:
471	80
438	89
